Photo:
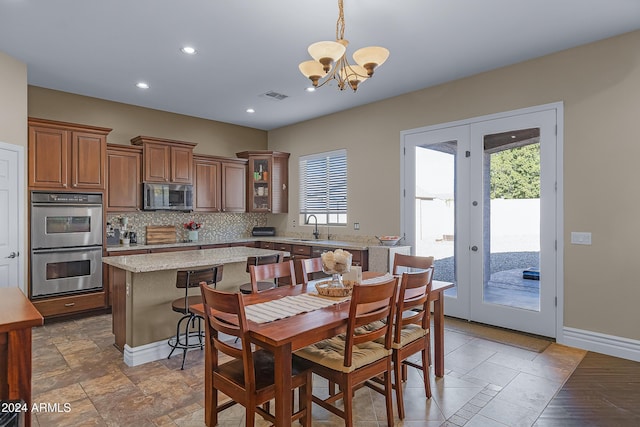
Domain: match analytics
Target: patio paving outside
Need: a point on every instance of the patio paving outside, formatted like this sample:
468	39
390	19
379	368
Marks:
506	285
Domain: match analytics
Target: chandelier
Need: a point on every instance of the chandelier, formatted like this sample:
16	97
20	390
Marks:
328	53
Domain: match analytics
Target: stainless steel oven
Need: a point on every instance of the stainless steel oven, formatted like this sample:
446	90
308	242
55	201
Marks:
66	243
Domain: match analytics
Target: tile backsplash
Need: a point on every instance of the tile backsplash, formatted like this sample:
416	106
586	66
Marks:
215	226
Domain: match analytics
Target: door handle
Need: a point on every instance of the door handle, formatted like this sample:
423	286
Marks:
13	255
474	248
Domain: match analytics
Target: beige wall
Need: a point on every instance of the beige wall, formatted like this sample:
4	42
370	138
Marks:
13	119
599	85
128	121
13	101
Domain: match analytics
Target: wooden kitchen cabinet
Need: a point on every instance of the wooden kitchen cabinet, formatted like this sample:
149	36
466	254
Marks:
124	178
234	178
298	253
66	156
70	304
267	181
166	160
219	184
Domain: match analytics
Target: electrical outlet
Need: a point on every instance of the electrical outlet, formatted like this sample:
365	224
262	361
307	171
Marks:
580	238
356	226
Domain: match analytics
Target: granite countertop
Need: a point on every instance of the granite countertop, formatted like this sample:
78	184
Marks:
287	240
144	263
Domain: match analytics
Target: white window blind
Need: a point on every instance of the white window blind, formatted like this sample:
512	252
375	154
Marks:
323	187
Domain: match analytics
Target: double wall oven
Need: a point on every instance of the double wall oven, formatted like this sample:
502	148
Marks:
66	243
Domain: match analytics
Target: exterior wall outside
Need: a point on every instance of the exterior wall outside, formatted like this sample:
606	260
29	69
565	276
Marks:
598	85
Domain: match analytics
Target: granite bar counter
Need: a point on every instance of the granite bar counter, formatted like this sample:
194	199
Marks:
249	241
143	287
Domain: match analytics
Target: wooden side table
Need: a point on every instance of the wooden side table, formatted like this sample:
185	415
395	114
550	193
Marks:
17	317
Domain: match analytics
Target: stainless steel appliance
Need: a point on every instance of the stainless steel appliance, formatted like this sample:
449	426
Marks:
66	243
175	197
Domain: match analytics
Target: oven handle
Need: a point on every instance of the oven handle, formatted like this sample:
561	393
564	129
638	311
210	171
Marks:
82	249
60	205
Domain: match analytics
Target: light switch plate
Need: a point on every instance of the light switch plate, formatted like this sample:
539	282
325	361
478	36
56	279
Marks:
580	238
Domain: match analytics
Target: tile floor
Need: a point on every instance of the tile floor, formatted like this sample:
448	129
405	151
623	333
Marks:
486	384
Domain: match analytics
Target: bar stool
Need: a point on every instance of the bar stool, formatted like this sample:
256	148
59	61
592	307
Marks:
191	279
260	260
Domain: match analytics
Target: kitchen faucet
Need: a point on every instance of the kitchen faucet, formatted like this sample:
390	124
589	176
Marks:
316	233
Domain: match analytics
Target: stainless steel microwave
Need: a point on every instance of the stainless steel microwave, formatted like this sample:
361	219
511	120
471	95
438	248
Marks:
174	197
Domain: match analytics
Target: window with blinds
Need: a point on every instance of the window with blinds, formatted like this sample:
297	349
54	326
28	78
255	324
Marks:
323	187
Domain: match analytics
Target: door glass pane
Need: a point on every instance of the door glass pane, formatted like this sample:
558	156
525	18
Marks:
511	219
435	209
67	224
66	269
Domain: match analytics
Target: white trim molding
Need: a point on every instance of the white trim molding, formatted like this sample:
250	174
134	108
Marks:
602	343
134	356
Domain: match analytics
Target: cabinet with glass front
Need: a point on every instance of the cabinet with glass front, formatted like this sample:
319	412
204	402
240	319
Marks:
267	181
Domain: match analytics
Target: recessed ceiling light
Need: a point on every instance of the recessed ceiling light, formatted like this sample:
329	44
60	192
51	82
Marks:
142	85
188	50
310	89
250	110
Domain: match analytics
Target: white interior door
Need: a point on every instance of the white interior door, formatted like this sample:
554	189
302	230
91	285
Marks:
436	177
492	234
11	216
513	207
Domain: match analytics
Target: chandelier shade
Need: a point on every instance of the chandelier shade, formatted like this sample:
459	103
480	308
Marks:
330	62
370	57
313	70
326	52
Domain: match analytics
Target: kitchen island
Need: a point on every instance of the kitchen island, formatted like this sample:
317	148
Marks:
143	287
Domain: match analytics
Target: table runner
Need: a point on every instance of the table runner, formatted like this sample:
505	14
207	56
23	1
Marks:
291	305
288	306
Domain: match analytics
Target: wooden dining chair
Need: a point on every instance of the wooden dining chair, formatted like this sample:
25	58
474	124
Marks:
274	272
402	263
308	267
352	359
411	330
248	378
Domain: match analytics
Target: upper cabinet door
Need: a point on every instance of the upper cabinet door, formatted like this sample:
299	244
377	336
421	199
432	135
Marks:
88	157
48	157
166	160
267	181
181	165
123	178
156	163
66	156
206	185
234	187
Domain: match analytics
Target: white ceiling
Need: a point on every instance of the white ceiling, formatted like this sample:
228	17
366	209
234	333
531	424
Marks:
101	48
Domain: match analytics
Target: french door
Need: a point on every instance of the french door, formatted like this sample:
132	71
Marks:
480	196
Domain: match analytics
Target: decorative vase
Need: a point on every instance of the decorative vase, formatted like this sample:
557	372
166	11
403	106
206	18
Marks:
193	235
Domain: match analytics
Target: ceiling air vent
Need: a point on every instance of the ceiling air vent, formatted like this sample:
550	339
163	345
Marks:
275	95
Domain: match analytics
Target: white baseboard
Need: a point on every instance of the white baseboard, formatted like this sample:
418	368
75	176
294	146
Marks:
601	343
134	356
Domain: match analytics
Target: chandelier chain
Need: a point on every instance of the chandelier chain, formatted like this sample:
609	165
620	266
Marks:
340	22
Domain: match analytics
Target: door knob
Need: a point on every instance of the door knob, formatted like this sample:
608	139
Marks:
474	248
13	254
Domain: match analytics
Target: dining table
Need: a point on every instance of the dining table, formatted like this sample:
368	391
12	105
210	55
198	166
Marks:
284	336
